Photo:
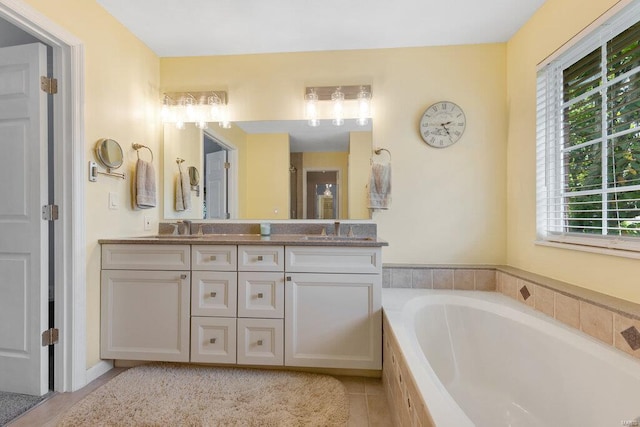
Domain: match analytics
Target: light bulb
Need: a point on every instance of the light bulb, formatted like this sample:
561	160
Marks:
337	98
224	117
214	103
364	107
311	108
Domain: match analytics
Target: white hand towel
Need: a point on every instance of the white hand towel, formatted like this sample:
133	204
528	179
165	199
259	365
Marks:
145	185
183	191
380	186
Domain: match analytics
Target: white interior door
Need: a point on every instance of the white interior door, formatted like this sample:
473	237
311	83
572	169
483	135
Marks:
216	182
23	233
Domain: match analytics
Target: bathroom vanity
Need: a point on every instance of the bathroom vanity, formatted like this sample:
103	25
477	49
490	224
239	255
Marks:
283	300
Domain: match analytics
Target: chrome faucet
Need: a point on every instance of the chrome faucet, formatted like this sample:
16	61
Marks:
337	228
186	227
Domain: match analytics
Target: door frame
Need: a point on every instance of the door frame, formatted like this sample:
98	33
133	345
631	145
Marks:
70	356
232	176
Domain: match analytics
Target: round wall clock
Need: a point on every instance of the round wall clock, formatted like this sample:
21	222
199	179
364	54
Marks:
442	124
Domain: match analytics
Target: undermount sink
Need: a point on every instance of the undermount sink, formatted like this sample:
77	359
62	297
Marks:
177	236
333	238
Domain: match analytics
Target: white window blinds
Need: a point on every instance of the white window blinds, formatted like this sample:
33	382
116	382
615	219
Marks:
588	139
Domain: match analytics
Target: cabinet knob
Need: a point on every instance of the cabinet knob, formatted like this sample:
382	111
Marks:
213	294
288	278
259	257
212	340
212	258
183	276
260	295
259	342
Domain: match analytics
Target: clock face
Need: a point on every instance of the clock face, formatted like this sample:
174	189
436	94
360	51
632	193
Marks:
442	124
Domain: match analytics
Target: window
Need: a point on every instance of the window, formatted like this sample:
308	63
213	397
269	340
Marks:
588	139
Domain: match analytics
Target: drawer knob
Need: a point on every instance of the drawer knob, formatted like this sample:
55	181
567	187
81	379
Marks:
260	295
183	276
259	342
213	294
212	258
212	340
259	257
288	278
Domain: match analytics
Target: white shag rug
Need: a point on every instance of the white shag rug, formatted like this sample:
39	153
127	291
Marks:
186	395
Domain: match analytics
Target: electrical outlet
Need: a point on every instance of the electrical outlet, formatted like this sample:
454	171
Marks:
113	201
147	223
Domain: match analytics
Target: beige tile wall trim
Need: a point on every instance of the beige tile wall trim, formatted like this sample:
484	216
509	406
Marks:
432	276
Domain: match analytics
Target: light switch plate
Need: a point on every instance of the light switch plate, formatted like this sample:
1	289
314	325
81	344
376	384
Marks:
113	201
147	223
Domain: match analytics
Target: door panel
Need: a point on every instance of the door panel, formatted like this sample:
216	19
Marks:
23	234
216	184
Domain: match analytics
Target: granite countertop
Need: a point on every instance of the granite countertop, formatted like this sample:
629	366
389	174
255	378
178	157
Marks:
251	239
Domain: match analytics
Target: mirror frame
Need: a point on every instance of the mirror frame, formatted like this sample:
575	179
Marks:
106	162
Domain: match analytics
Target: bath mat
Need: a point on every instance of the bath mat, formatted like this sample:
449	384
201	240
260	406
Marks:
14	404
168	394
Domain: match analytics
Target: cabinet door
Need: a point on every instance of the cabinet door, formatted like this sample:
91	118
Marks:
261	295
145	315
260	258
260	342
213	340
333	320
214	293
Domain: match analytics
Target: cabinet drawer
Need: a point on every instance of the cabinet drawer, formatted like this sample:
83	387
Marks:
335	259
214	293
146	257
213	340
260	258
214	257
261	294
260	342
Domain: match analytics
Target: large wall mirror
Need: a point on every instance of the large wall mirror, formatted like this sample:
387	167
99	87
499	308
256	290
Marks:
270	170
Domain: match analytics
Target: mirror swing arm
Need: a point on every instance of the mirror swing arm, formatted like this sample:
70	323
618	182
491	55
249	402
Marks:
109	153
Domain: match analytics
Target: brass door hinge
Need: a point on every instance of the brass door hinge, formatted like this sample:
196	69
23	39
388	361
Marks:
50	337
49	85
50	212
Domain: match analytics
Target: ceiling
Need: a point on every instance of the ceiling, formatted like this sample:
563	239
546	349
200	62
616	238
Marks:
230	27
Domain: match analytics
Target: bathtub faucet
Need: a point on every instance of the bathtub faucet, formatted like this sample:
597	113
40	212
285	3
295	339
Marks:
337	228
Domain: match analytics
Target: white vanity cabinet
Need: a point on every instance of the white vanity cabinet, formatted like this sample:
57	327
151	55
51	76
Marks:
333	307
214	296
145	302
261	305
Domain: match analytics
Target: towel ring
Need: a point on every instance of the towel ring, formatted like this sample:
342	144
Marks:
138	147
377	151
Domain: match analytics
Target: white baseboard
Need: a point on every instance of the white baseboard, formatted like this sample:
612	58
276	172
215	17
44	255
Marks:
99	369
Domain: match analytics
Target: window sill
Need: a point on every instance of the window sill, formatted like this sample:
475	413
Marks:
589	248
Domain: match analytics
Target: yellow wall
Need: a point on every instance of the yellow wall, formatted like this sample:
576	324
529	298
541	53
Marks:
331	160
267	176
453	198
554	24
121	96
359	170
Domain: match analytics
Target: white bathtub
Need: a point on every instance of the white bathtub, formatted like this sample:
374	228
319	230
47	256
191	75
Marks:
480	358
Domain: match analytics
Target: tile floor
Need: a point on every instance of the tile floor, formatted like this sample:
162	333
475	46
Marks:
367	403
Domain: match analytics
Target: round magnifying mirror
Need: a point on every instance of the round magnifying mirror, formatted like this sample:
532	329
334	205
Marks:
109	153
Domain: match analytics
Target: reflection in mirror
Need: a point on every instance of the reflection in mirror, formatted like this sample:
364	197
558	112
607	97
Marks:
194	176
272	170
109	153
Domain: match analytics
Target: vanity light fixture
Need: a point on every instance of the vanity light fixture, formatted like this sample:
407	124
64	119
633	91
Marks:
195	107
346	102
311	108
337	98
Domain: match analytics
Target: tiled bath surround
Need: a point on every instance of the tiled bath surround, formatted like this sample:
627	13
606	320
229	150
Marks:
611	320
